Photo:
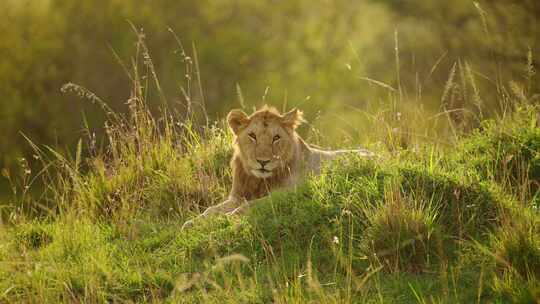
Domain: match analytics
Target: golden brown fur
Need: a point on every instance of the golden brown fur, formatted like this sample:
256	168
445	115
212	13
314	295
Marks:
268	154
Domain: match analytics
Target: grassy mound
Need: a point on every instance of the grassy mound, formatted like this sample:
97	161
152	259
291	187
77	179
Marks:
507	152
356	217
401	228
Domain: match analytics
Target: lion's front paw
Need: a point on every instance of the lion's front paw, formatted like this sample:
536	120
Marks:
188	225
231	213
238	211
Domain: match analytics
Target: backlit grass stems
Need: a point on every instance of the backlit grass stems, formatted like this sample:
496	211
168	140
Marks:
419	223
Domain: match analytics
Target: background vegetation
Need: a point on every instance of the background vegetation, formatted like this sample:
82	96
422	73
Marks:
313	54
99	178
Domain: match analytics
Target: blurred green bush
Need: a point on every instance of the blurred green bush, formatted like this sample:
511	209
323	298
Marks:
310	54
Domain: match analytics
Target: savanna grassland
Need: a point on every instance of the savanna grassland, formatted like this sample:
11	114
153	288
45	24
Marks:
448	211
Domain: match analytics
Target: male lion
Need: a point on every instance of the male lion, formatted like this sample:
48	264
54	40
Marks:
268	154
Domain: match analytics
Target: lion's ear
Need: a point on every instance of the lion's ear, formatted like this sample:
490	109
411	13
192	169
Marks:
237	120
293	118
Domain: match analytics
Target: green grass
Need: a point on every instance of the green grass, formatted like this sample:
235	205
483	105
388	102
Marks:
395	230
417	224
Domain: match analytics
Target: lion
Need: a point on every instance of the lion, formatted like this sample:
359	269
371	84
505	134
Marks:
268	155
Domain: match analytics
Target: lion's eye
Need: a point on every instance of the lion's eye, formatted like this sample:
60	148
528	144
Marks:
252	135
277	137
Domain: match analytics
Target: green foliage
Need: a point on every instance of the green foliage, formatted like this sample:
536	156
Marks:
418	223
337	227
519	250
402	236
508	152
160	175
466	207
33	236
287	47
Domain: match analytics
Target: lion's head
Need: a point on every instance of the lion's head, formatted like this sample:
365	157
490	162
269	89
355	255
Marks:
266	141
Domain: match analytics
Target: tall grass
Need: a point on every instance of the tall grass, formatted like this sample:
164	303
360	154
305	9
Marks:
421	223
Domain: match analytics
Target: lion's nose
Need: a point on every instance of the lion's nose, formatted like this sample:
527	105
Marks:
263	162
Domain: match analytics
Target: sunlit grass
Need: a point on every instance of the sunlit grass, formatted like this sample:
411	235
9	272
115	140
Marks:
439	216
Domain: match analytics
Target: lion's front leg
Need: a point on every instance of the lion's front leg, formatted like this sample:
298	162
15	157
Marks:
243	208
225	207
240	210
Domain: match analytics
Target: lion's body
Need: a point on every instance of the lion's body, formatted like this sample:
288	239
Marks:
247	186
268	154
